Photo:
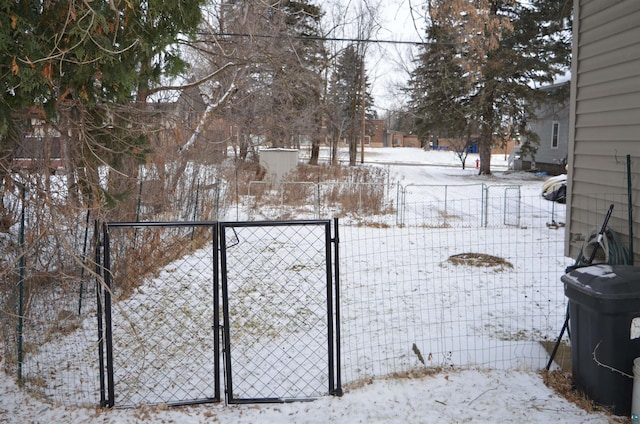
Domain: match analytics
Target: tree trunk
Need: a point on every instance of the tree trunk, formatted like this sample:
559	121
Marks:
315	152
484	149
353	151
335	142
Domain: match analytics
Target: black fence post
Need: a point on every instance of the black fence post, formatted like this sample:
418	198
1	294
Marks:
84	261
108	334
332	346
216	309
99	311
336	246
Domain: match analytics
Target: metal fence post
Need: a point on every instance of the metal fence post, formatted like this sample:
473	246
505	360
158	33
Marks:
446	198
337	389
216	307
21	285
318	199
84	260
485	205
108	334
99	312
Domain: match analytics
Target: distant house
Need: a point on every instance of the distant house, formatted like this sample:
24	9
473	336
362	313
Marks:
183	119
505	147
400	139
552	128
378	135
376	129
604	130
41	145
452	144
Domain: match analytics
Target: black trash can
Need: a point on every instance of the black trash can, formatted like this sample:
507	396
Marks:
605	339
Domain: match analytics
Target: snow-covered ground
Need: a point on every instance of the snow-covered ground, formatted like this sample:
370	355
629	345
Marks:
452	396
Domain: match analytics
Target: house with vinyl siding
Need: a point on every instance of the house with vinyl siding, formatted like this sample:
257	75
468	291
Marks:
551	125
604	123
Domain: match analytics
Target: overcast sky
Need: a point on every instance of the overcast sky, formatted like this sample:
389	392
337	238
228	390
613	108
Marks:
388	63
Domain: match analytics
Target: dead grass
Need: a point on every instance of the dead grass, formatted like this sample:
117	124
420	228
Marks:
414	373
142	254
345	190
562	383
480	260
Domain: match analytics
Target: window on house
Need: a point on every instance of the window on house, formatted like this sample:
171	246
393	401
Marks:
554	135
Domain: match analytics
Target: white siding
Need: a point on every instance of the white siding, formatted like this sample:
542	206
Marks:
604	120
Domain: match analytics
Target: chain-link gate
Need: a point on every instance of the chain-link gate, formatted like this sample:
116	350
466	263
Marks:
161	327
159	314
281	322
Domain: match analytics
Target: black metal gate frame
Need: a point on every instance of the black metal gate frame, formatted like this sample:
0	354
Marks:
332	298
107	381
104	304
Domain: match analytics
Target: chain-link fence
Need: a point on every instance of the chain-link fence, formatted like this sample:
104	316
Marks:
161	327
278	291
161	314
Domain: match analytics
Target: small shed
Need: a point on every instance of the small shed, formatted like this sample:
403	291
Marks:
278	162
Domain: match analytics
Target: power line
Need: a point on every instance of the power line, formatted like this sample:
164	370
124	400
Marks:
319	38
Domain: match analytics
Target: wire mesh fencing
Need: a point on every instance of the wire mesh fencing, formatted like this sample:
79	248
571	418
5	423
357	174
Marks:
52	349
277	284
47	299
438	293
416	297
474	282
288	200
458	205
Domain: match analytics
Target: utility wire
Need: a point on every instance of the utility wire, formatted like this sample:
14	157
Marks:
319	38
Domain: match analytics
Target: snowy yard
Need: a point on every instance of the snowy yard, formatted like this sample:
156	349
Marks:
406	307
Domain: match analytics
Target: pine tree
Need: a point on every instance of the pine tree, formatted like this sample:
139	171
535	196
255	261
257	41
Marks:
483	64
437	96
89	68
345	101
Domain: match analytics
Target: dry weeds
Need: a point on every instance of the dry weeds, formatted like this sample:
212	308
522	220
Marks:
480	260
562	383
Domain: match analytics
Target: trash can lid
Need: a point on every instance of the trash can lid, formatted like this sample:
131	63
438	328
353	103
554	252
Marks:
605	283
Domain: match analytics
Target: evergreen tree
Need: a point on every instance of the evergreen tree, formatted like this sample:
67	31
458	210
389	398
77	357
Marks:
84	66
345	101
296	81
437	96
483	64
